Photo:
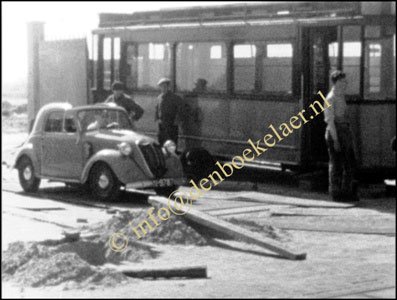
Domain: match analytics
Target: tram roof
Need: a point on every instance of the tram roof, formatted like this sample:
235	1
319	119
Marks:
231	12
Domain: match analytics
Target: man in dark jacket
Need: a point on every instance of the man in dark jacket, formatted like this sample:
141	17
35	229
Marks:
134	111
167	110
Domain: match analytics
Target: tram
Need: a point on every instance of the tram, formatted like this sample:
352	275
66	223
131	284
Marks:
241	67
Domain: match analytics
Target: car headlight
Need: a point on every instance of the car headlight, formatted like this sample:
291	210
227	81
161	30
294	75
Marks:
169	147
125	148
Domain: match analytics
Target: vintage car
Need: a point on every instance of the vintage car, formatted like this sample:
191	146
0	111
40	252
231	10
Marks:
95	146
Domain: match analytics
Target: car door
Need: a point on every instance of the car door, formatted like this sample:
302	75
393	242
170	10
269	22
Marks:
62	151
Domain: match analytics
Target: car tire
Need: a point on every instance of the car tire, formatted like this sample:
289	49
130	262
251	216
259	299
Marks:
29	182
165	191
103	183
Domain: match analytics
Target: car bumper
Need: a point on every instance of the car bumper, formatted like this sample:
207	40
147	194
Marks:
158	183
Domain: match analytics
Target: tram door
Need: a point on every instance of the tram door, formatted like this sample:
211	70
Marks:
317	67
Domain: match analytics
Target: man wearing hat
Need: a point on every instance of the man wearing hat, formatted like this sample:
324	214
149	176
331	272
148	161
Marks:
167	109
121	99
338	136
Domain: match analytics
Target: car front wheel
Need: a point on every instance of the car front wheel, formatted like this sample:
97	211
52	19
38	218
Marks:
29	182
103	183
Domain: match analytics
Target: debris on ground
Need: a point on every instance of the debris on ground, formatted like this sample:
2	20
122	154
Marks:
80	258
36	264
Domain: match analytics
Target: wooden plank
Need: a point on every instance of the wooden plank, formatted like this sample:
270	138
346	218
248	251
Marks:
232	230
277	199
189	272
238	210
331	227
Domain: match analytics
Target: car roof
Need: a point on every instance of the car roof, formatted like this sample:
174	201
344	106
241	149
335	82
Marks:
98	106
56	106
67	106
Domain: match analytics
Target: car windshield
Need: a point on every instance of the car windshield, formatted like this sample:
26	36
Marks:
96	119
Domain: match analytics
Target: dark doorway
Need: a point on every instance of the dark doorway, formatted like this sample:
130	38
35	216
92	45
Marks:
316	72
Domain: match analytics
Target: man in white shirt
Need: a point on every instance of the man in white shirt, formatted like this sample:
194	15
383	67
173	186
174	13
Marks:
342	163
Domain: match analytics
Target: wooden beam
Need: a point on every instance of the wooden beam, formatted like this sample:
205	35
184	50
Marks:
282	200
190	272
322	226
232	230
239	210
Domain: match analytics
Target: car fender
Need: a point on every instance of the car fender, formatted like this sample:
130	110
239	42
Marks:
27	150
125	168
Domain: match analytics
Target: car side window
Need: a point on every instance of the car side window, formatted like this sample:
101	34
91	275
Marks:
70	124
54	122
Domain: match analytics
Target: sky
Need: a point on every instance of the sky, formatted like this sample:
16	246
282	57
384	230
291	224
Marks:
62	20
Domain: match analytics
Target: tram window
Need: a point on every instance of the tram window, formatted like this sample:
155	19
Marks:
153	63
244	67
216	52
201	67
156	51
373	69
107	55
244	51
352	58
333	58
277	68
351	66
380	67
279	50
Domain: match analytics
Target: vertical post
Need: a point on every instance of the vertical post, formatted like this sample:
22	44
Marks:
260	54
112	60
99	72
35	33
386	68
123	62
230	68
362	61
340	48
306	55
296	65
173	67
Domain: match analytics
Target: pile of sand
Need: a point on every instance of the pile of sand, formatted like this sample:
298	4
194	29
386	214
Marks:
35	264
81	261
173	231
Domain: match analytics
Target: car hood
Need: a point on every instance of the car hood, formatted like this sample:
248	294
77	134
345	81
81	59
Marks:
123	135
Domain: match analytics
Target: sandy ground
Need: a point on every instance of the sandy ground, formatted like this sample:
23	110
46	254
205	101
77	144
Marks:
337	265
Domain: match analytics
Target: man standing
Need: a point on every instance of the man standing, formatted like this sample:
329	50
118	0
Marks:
342	186
134	111
167	109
